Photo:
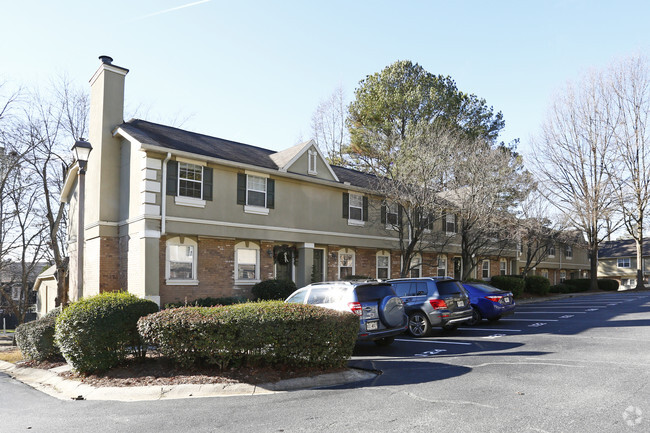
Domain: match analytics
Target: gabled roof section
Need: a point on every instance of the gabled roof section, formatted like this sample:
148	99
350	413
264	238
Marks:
294	160
621	248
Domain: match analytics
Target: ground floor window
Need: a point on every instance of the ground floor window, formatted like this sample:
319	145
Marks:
247	263
383	265
346	263
180	266
503	267
442	266
416	266
562	276
485	269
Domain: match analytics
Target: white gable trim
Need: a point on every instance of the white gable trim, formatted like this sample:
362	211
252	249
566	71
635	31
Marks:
69	181
306	147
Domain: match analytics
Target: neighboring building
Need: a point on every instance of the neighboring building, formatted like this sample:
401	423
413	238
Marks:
46	290
564	260
617	260
173	215
11	277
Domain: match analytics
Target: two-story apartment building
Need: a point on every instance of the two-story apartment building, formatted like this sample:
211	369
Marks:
617	260
175	215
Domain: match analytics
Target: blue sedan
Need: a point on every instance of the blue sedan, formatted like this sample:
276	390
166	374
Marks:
489	302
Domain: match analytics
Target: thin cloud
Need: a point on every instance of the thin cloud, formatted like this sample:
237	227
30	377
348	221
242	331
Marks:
173	9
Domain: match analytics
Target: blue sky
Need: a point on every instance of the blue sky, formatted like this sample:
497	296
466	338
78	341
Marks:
254	71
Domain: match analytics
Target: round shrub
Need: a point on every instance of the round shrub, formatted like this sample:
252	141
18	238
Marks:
98	332
608	284
272	333
36	339
537	285
274	289
561	288
512	284
208	302
578	284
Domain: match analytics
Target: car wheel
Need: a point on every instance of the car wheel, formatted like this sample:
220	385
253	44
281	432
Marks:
476	317
495	319
449	327
391	311
419	325
386	341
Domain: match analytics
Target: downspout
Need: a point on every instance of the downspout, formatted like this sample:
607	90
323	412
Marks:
163	195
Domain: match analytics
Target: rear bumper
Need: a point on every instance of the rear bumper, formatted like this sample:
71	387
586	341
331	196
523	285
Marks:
492	310
383	333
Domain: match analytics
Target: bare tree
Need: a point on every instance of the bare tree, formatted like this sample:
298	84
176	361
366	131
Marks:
630	84
573	157
329	129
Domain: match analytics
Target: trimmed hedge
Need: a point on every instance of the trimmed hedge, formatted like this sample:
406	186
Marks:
208	302
274	289
579	284
272	332
512	284
98	332
561	288
36	339
537	285
608	284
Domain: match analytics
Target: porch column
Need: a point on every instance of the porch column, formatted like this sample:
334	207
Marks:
305	264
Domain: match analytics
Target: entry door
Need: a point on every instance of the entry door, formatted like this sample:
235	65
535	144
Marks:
317	268
458	268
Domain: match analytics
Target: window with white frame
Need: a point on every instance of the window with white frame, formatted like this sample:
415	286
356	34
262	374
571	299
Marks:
568	252
346	263
551	250
383	266
256	191
545	273
181	255
247	263
450	223
503	267
392	214
442	266
623	262
416	266
562	276
190	180
356	207
312	156
485	269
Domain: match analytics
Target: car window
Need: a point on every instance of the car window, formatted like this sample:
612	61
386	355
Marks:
449	287
325	295
486	288
374	292
298	297
420	288
402	289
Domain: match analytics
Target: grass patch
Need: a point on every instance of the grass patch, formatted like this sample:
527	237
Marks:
12	356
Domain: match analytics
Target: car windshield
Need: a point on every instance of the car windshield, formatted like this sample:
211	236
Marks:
326	295
450	287
485	288
374	292
298	297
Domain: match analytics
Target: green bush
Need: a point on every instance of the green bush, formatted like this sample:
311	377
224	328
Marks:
608	284
510	283
208	302
272	333
272	290
356	277
98	332
36	339
561	288
578	284
537	285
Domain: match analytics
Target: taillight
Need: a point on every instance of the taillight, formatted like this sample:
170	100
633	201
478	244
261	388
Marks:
355	307
496	299
438	304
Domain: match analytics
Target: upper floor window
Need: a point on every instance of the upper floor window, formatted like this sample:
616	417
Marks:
449	223
190	180
355	208
256	193
623	263
568	252
551	250
180	266
190	184
312	156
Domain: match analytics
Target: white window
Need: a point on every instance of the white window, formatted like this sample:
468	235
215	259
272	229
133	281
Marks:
256	191
392	215
450	223
181	254
623	263
568	252
356	207
562	276
346	263
247	263
383	266
485	269
503	267
545	273
312	158
190	180
442	266
551	250
416	266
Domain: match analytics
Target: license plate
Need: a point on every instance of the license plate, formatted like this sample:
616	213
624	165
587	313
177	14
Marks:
506	300
371	326
460	303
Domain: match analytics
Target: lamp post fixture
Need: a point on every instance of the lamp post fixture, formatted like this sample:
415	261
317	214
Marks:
82	150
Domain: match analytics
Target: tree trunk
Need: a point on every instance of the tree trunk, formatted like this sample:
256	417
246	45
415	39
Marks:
593	262
640	283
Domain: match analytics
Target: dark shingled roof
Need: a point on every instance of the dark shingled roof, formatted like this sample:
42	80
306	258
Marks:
205	145
622	248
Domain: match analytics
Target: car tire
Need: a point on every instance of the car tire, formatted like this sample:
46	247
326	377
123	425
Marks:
476	317
449	328
386	341
495	319
391	311
419	325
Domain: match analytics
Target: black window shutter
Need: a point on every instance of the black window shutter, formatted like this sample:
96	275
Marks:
455	223
270	193
365	208
383	214
430	222
241	188
346	205
400	209
207	183
444	222
172	177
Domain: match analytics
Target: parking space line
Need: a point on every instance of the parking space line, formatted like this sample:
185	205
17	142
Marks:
422	340
550	312
529	320
489	330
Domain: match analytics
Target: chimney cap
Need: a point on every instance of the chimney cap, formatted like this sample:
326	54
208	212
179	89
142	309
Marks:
106	59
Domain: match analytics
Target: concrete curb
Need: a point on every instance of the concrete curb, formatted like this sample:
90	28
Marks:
50	383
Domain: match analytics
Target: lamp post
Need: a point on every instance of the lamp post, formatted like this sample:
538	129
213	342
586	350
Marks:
82	150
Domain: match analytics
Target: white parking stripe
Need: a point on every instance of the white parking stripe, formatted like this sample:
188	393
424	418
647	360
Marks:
530	320
551	312
489	330
423	340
